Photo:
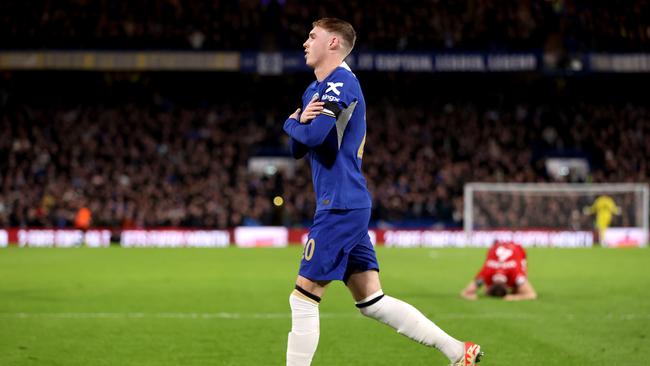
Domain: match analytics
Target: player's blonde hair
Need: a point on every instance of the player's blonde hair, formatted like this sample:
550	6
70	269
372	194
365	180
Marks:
341	28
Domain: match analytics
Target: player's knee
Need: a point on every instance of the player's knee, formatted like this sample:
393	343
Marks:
305	322
301	299
368	306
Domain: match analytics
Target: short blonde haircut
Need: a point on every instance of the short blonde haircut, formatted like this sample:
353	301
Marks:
341	28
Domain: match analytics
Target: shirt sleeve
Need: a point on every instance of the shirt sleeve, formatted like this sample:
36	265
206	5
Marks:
310	134
479	279
338	95
520	279
298	150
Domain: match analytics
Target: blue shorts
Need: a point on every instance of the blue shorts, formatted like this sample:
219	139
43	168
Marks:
338	245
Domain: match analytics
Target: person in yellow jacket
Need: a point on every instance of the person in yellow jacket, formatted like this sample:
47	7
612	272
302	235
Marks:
603	207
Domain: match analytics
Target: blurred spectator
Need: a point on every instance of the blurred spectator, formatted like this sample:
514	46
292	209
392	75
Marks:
83	218
279	24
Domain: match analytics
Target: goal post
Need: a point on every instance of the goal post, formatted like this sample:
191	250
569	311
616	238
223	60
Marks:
555	207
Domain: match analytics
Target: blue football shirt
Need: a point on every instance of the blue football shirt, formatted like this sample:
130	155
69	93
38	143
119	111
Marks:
334	141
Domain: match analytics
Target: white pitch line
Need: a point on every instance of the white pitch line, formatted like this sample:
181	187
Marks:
221	315
236	316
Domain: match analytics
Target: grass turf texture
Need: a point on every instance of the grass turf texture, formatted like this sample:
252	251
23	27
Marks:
230	307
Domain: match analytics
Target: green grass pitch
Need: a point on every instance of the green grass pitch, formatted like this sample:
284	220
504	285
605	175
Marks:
230	307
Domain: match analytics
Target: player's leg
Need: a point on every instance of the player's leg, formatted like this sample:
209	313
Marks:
324	259
406	319
602	223
305	323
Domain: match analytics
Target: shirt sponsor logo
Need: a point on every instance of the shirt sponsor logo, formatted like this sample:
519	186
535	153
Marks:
491	263
330	98
333	87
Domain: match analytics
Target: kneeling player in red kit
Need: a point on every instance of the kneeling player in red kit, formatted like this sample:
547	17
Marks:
504	274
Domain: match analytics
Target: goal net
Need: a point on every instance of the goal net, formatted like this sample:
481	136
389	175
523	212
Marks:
567	208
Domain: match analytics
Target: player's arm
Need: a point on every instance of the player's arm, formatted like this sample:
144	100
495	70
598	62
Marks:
298	150
525	291
470	292
309	134
314	108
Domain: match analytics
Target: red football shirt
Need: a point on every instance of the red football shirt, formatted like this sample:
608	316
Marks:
506	260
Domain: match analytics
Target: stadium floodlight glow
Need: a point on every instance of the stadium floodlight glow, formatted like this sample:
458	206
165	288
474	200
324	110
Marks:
552	206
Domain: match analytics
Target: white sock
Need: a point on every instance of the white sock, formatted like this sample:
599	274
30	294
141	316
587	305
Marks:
305	330
410	322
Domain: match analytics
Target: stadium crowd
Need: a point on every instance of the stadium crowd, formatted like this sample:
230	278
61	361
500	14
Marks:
158	161
575	25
